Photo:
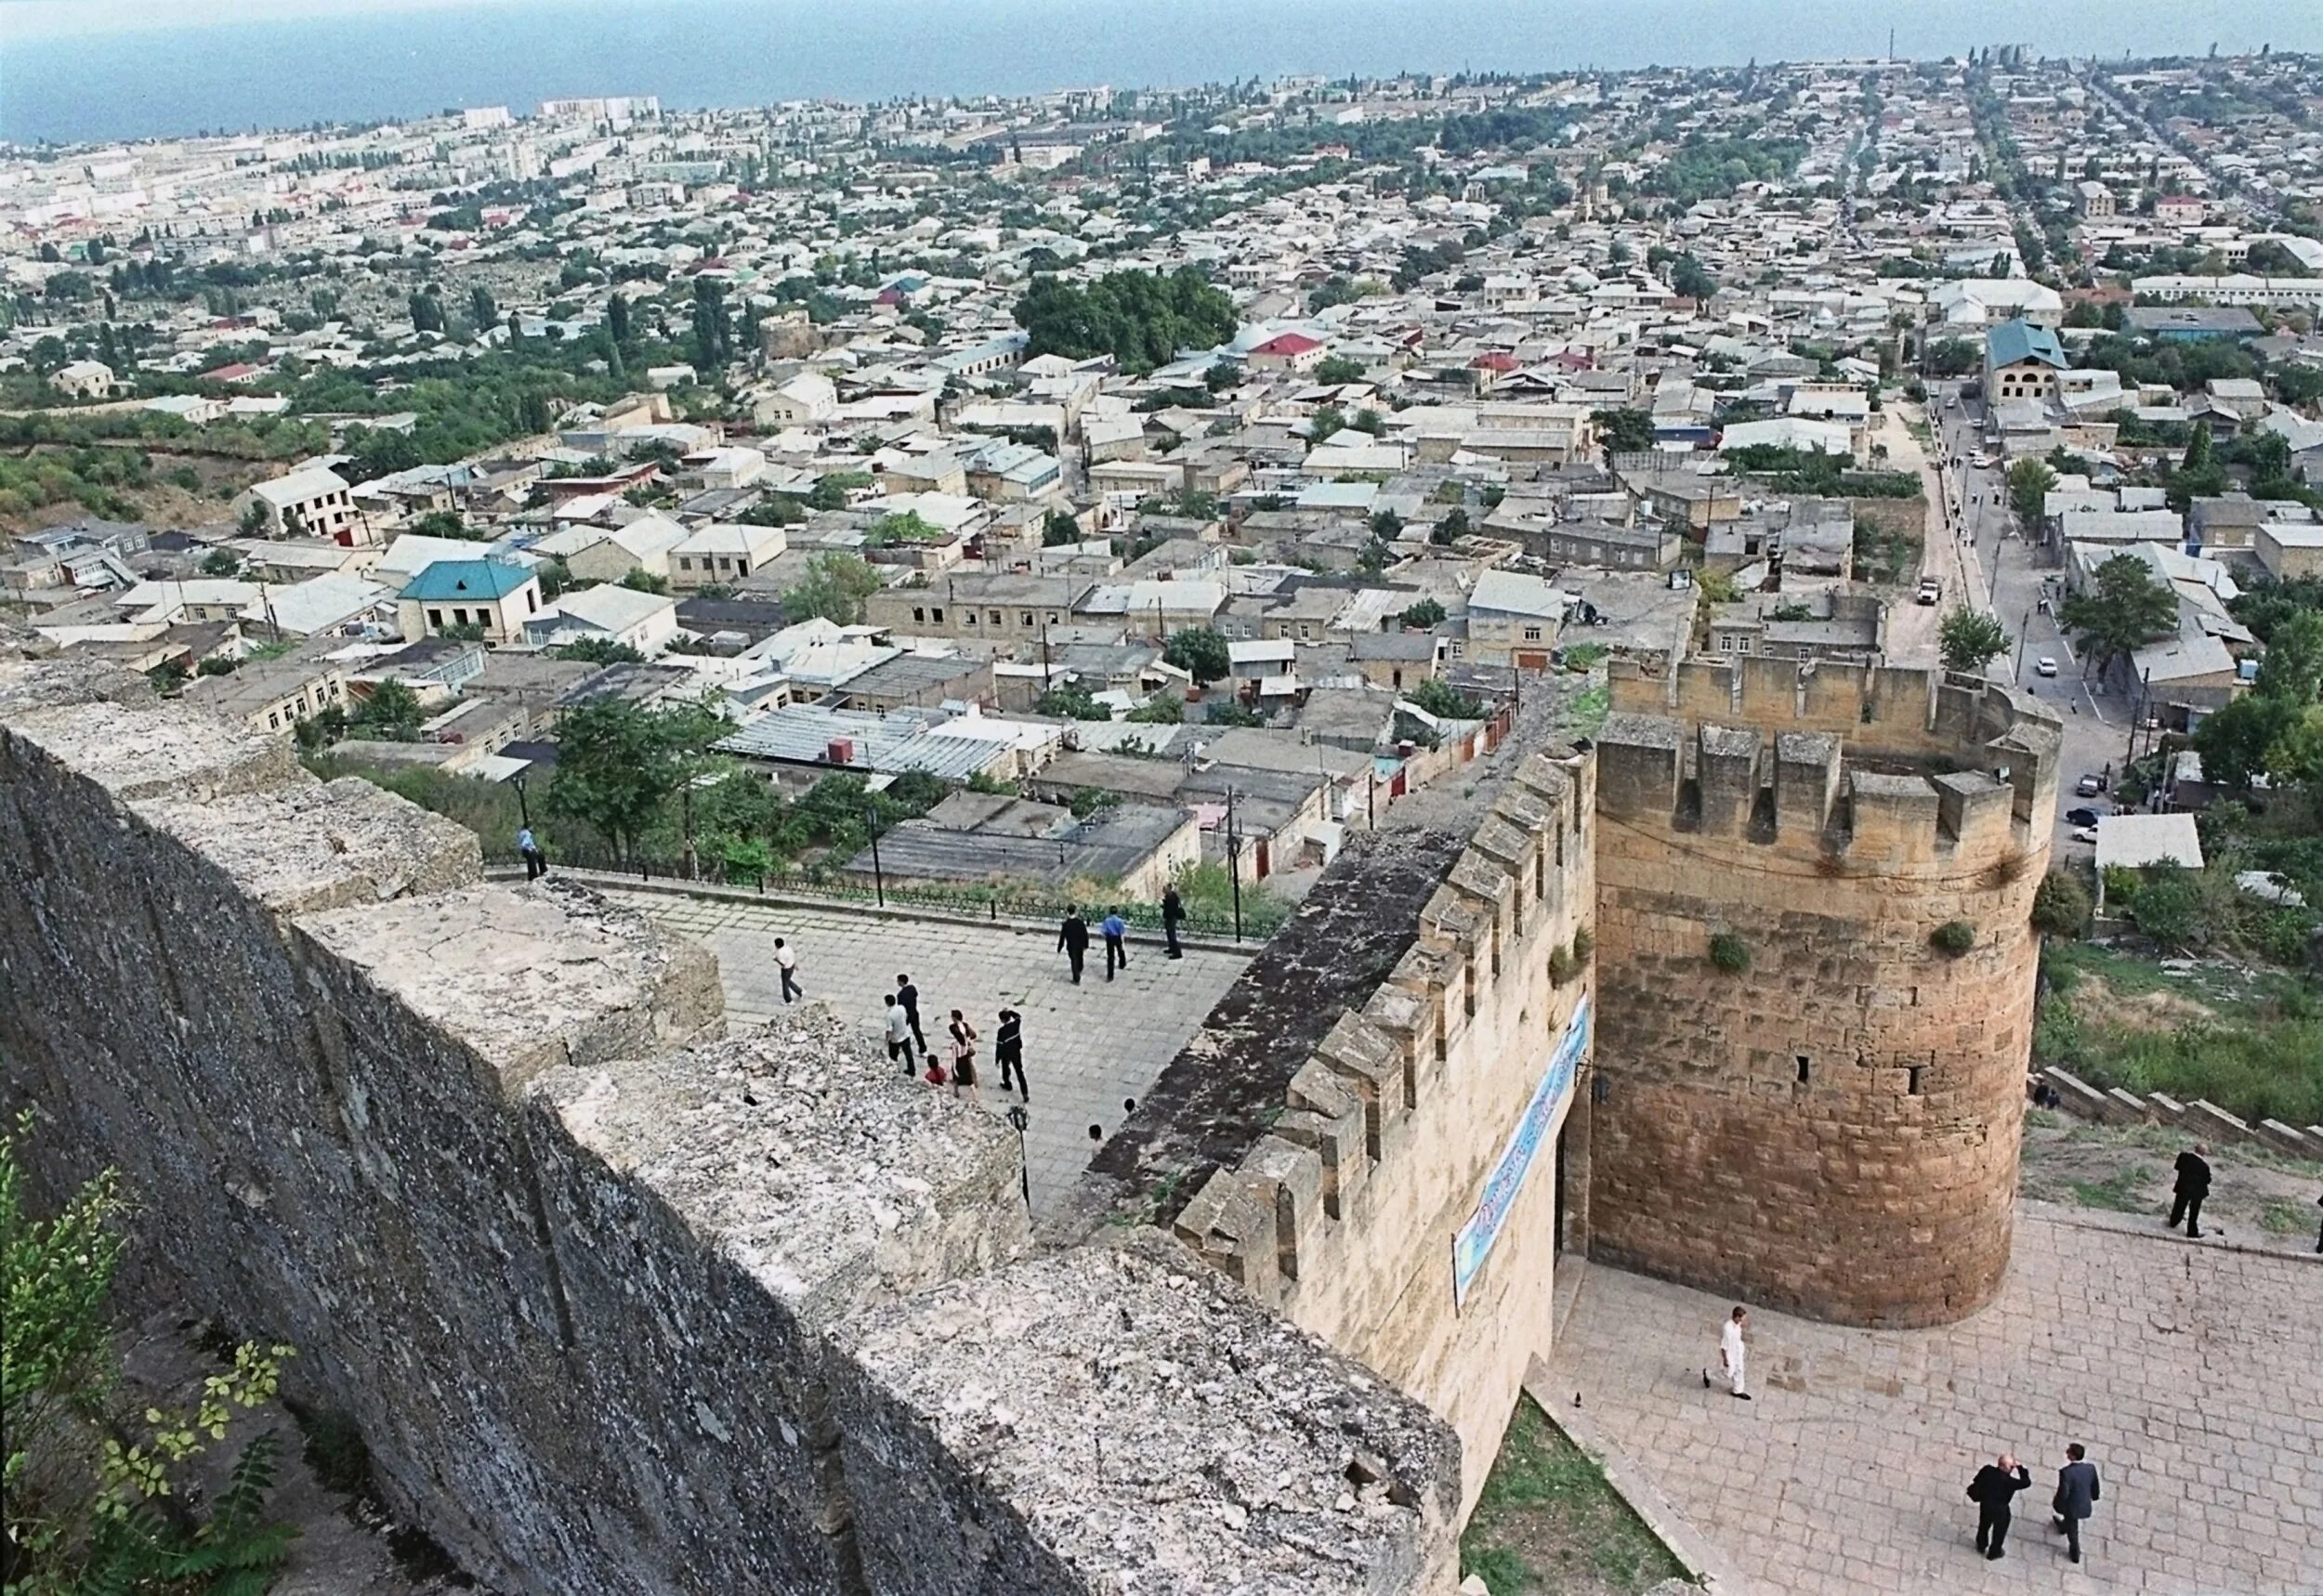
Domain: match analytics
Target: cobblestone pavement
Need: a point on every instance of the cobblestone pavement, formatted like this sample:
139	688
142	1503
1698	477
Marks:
2189	1371
1087	1047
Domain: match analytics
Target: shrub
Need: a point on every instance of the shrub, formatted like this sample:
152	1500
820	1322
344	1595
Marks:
2168	907
1953	937
1584	942
1729	952
1562	966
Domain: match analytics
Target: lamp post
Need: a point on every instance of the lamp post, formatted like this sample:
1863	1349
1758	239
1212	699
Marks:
1022	1120
524	810
1234	862
879	879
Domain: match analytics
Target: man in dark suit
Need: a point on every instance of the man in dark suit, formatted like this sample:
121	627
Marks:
1994	1492
2193	1186
1072	940
2075	1498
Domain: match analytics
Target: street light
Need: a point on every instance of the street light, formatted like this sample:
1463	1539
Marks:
879	880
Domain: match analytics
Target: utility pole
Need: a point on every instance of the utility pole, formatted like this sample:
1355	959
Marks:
1234	862
2024	627
879	879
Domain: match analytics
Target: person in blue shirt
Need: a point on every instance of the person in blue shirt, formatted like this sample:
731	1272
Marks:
536	861
1116	931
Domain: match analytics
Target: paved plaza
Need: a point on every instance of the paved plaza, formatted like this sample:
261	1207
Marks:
1087	1047
2191	1372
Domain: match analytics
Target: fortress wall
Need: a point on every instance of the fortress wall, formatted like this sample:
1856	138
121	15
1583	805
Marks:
1344	1216
587	1274
1878	1189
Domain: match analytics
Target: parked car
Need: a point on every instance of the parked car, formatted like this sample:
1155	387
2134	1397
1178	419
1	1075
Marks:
2086	834
2045	666
2087	787
2082	817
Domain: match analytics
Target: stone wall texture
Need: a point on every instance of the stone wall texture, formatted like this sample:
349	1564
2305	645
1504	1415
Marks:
618	1302
1834	1131
1343	1215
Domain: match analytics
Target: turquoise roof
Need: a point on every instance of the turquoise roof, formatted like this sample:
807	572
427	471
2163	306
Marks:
453	581
2020	340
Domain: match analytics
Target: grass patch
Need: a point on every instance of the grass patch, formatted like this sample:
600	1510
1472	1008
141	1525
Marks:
2247	1040
2284	1219
2121	1192
1547	1521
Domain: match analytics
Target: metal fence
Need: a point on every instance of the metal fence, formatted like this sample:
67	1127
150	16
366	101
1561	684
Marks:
1258	920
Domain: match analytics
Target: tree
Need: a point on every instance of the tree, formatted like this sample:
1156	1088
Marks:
834	587
618	764
640	580
2124	610
1624	431
1952	358
1070	700
2030	482
1423	616
902	527
1967	639
426	312
1201	652
1445	701
617	321
2291	669
1326	420
482	310
254	519
1140	318
1386	525
445	524
391	714
2198	449
1058	527
1339	369
1452	528
103	1492
221	562
1223	376
2061	904
2236	740
1691	278
598	651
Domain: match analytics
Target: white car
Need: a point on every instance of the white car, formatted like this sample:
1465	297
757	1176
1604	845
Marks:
2085	834
1981	462
2045	666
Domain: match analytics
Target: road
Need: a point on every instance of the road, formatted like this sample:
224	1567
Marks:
2009	576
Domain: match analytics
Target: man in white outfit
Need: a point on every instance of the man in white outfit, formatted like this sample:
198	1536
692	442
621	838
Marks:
1733	1356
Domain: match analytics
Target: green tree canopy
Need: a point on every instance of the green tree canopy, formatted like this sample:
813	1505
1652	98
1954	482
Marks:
1339	369
1142	320
1968	638
834	587
1201	652
1624	431
1070	700
392	713
617	765
1421	617
2124	610
2030	482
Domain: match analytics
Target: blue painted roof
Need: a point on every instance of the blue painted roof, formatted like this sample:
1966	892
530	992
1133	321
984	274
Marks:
455	579
2020	340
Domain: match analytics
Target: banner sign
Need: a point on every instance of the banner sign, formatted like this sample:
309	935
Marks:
1507	1179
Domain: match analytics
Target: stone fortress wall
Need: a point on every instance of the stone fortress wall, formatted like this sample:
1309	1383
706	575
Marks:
1833	1131
618	1302
1343	1214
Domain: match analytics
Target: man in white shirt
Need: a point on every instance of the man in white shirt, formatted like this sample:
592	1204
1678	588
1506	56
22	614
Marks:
1732	1354
786	961
898	1033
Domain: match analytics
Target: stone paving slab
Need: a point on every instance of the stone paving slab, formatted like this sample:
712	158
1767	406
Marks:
1087	1047
2193	1374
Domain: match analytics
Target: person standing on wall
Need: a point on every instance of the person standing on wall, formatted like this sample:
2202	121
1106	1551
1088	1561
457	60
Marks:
2193	1186
1733	1354
1116	931
1072	938
2077	1496
536	861
1008	1048
1172	914
1994	1492
909	996
786	962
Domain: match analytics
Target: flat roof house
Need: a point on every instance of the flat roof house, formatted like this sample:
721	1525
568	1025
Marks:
452	595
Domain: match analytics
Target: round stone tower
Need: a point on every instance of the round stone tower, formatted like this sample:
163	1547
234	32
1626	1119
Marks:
1815	970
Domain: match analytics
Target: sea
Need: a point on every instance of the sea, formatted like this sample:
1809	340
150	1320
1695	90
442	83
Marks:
76	71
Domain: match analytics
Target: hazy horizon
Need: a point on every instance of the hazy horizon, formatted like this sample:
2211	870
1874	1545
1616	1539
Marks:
94	70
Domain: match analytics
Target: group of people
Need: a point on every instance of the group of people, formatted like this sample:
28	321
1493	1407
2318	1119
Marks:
1072	937
907	1046
1994	1492
1994	1488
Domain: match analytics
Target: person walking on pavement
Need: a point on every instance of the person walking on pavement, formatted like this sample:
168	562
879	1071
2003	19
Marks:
1116	931
1733	1354
1994	1492
786	961
2077	1496
900	1035
2192	1187
536	861
1173	912
962	1055
909	996
1008	1047
1073	938
2318	1235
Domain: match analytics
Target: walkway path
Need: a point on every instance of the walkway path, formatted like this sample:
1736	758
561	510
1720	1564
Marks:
2189	1371
1087	1047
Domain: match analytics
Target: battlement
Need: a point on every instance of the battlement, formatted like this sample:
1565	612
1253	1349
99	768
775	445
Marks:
1360	1163
1887	770
589	1273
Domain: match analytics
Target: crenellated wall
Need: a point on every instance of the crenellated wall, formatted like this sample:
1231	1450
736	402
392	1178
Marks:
620	1302
1343	1215
1834	1130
